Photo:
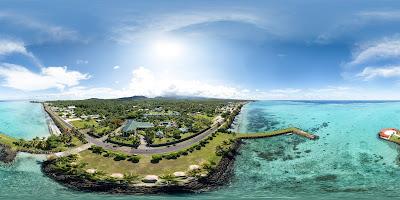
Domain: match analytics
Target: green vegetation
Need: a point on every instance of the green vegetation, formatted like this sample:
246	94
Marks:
52	143
84	124
173	119
132	140
394	138
8	141
92	126
203	154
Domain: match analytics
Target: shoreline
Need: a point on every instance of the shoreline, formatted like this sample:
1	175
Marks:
218	177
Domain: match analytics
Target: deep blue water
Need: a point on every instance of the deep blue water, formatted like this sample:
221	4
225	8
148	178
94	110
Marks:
347	162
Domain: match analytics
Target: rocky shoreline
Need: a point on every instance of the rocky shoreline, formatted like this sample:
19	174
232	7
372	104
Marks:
220	176
7	155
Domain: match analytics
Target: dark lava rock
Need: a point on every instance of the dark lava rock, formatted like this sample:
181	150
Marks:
6	154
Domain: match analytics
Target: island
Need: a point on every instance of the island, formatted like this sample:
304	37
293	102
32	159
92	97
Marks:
140	145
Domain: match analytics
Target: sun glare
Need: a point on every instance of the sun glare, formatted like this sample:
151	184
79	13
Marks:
168	49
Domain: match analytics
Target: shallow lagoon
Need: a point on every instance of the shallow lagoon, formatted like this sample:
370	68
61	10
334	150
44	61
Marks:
347	162
23	119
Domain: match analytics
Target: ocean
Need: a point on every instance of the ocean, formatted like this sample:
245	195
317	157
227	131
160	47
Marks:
347	162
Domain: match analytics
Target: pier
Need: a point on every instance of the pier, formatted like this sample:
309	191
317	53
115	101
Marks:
292	130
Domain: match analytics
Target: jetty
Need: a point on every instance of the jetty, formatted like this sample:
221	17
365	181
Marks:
291	130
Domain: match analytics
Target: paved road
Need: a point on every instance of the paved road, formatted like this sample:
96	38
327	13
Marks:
153	150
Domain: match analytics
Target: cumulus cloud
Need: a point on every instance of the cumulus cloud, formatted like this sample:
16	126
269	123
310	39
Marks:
21	78
144	82
374	72
383	49
116	67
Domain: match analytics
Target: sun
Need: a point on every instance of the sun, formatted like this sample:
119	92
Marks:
168	49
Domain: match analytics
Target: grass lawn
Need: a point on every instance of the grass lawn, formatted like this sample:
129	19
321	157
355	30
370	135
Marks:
101	130
170	139
202	116
145	167
7	140
395	138
80	124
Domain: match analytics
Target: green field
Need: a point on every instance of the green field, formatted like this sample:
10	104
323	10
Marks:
145	167
7	140
170	139
81	124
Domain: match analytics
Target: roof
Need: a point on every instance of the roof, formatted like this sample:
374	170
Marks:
132	125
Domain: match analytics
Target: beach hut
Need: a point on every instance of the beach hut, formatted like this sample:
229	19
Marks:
387	133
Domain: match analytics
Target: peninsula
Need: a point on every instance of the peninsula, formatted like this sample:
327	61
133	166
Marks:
141	145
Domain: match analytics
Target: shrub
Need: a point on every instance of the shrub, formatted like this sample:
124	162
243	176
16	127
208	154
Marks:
97	149
134	159
120	156
172	156
156	158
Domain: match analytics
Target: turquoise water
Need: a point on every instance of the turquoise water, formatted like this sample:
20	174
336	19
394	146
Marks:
347	162
22	119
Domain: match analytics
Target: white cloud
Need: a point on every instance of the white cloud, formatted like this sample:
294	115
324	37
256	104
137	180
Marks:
383	49
380	15
82	62
9	47
286	91
356	23
47	31
144	82
127	32
21	78
374	72
116	67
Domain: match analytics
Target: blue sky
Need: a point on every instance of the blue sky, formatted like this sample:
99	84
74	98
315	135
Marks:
224	49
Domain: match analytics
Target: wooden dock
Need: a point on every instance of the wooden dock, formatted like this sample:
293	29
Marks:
293	130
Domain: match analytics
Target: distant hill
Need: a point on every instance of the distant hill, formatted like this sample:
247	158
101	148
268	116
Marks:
133	98
179	97
162	97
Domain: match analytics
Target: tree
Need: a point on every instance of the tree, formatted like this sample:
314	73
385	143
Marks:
52	142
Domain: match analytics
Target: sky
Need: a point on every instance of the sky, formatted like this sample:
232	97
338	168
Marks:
311	50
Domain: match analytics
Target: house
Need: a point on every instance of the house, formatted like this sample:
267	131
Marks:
71	107
160	134
168	124
132	125
158	109
183	129
94	116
